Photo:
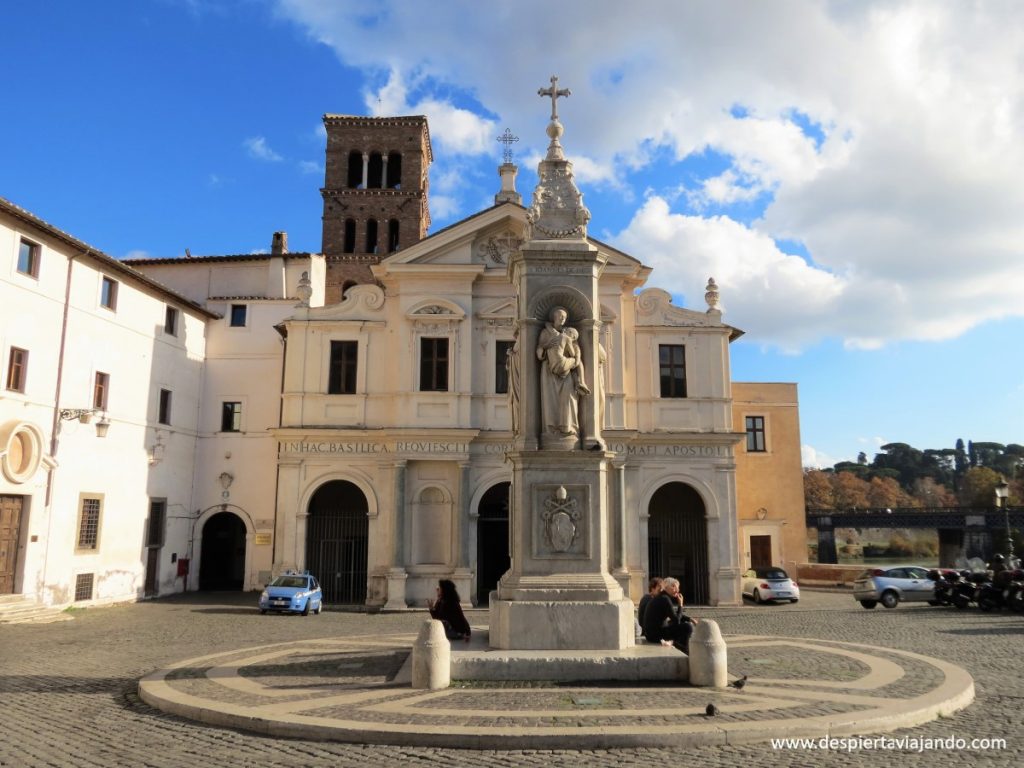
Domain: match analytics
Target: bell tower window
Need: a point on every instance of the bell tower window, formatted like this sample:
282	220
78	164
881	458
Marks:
395	170
371	236
375	171
350	236
392	235
355	170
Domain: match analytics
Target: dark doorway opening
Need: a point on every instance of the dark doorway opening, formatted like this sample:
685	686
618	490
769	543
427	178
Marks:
677	540
492	551
222	561
337	541
760	551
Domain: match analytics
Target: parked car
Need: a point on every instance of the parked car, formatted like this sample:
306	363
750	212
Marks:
292	593
893	585
769	584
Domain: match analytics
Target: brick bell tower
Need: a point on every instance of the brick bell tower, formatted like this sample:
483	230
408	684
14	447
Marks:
375	194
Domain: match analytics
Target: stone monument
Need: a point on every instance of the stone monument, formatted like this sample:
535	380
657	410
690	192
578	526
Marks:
559	593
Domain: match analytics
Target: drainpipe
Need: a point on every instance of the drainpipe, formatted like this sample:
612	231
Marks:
55	425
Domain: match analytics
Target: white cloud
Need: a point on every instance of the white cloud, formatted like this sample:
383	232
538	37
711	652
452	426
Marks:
308	166
443	208
258	148
906	193
812	458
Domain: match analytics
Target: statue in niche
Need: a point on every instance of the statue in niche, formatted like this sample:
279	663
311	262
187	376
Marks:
512	368
561	376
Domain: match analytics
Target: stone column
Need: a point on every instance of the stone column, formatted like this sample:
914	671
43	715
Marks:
396	574
366	169
621	572
463	575
384	170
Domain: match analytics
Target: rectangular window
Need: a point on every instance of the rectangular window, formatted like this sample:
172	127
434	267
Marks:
155	525
28	258
101	390
108	293
83	586
89	524
672	363
755	434
17	369
501	350
231	417
171	321
238	313
341	377
164	415
433	365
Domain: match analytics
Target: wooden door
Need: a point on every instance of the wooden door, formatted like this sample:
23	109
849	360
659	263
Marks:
760	551
10	534
152	571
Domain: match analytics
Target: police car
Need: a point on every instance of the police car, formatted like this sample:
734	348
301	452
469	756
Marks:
292	592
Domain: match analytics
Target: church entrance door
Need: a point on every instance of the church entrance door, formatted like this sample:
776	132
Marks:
677	540
337	541
222	560
492	556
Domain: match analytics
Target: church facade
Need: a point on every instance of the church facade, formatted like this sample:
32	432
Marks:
354	410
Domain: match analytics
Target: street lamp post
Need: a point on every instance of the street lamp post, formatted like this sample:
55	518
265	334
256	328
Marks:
1002	493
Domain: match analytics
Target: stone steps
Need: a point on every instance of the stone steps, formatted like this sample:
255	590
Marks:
19	609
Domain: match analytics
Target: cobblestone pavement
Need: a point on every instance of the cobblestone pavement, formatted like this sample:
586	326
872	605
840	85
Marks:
68	690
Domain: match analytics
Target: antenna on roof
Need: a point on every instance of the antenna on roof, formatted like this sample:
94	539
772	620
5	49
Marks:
188	254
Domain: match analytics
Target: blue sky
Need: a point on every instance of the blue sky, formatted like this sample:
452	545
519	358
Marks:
849	173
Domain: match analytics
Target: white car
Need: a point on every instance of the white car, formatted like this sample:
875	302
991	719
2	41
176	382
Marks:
769	584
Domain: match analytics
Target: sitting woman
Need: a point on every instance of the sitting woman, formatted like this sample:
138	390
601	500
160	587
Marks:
447	609
664	620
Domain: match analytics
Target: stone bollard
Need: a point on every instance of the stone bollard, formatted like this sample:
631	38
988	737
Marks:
708	661
431	657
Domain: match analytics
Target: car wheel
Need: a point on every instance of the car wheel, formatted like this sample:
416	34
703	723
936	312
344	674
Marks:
934	602
263	611
890	599
795	600
869	603
305	609
757	597
316	611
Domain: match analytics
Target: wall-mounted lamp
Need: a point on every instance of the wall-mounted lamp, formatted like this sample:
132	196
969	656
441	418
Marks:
762	513
84	415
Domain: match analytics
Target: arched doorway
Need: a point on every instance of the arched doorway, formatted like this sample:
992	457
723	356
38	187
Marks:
492	555
677	540
337	538
222	560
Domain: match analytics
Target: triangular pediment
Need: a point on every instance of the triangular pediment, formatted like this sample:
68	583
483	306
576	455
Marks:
501	310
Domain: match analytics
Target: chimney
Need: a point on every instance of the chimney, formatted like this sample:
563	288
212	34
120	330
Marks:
279	246
508	193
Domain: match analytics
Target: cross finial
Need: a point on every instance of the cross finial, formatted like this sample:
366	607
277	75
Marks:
554	92
508	140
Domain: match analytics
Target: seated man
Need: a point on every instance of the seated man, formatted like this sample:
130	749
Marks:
653	590
664	620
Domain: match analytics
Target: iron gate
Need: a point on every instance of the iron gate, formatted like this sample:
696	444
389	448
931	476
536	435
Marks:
337	539
677	540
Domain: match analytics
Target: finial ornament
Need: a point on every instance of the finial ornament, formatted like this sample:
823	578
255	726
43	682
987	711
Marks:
711	295
508	139
554	92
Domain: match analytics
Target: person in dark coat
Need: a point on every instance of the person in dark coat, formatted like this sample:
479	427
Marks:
664	620
447	609
653	590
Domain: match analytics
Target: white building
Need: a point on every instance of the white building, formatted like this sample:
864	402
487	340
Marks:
347	412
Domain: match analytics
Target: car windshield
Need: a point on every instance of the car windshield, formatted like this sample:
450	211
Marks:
771	573
289	581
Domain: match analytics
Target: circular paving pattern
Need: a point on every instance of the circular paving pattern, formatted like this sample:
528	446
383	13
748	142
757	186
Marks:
356	689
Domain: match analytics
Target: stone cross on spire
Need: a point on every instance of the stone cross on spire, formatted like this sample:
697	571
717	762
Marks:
554	92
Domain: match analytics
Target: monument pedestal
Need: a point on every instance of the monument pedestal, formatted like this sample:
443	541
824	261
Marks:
559	593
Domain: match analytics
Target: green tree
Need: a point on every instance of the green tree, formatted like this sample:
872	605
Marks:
978	487
961	464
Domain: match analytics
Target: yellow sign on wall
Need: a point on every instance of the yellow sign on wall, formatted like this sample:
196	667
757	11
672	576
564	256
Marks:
263	538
